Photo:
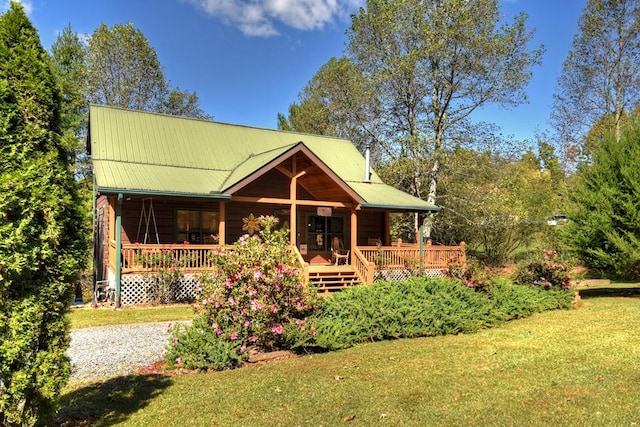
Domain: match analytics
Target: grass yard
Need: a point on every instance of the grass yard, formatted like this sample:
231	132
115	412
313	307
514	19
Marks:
86	316
571	368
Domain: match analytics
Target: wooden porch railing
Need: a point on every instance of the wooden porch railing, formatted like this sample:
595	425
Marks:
364	267
191	258
365	259
407	256
145	257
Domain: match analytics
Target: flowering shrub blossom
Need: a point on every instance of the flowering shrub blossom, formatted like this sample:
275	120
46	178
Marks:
471	274
255	297
548	272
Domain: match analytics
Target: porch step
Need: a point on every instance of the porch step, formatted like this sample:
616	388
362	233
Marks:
332	278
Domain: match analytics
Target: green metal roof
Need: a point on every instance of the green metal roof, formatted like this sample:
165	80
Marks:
254	163
149	153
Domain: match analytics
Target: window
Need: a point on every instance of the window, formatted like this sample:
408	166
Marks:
196	226
322	229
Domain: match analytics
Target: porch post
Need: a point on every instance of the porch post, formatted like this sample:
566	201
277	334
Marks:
386	239
421	232
222	224
293	221
96	240
118	231
293	211
354	228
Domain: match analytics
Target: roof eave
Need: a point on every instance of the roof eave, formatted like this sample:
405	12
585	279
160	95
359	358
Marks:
213	195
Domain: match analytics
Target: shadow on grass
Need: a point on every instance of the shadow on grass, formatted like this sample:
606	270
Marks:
109	402
625	290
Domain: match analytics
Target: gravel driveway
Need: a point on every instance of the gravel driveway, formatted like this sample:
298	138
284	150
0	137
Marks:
105	351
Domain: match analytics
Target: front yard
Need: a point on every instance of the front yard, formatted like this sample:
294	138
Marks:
567	367
86	316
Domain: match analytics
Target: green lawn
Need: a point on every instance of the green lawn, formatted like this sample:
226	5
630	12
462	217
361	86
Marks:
85	317
571	368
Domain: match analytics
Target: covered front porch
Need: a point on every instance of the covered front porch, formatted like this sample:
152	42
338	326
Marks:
364	265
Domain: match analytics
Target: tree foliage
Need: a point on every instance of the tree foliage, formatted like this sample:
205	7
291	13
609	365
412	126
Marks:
412	74
42	245
604	231
495	202
123	69
118	67
183	103
600	80
68	56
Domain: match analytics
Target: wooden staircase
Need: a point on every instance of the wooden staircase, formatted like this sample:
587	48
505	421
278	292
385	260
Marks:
332	278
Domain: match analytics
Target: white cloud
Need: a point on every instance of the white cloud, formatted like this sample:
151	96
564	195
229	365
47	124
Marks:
27	4
258	17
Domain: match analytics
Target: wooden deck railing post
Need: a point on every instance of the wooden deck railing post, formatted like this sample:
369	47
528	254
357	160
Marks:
118	228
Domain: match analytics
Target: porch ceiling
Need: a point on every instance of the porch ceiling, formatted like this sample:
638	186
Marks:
316	182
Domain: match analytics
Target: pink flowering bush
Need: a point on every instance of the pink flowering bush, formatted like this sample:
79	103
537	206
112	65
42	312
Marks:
471	274
547	273
255	298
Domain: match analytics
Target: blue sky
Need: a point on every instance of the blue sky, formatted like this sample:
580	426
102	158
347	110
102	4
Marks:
248	59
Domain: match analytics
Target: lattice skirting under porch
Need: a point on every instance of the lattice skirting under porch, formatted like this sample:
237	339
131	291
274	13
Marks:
134	288
402	274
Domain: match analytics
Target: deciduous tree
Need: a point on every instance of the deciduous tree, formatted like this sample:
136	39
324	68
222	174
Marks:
123	70
415	70
600	80
183	103
117	66
494	202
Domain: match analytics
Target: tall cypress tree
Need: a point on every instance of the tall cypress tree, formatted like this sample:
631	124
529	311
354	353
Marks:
605	207
42	235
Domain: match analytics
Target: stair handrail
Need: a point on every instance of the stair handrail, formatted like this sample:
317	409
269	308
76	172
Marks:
364	268
302	264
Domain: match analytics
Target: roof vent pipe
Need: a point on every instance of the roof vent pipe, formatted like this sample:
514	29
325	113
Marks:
367	164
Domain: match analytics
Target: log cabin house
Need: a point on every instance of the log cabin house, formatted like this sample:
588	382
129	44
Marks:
193	184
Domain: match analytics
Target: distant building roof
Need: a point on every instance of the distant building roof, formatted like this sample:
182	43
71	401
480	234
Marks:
148	153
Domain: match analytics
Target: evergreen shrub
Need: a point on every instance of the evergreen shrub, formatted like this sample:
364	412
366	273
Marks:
256	300
515	302
421	307
199	347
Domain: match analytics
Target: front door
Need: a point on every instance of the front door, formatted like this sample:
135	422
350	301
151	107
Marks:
321	230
